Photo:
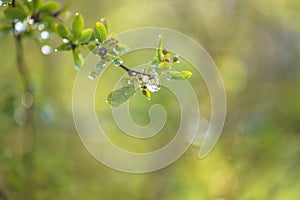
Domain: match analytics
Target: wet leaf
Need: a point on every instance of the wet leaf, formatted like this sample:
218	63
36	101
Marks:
173	75
104	22
98	68
127	81
63	47
49	7
93	48
120	96
100	32
86	35
63	31
78	59
77	26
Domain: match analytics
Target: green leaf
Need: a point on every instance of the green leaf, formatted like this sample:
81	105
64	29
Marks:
77	26
104	22
37	5
164	66
100	32
49	22
15	13
63	47
78	60
122	48
159	49
86	35
147	94
125	81
63	31
120	96
173	75
93	48
186	74
49	7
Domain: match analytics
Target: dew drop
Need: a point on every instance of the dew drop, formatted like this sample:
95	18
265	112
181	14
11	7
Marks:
29	0
45	35
55	50
1	3
65	40
27	100
46	49
20	116
30	21
41	27
19	27
77	67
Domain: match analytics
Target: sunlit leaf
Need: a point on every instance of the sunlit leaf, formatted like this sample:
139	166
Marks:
100	32
159	49
120	96
63	47
104	22
147	94
49	7
186	74
77	26
86	35
63	31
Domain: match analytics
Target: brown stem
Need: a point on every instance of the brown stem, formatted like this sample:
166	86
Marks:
131	72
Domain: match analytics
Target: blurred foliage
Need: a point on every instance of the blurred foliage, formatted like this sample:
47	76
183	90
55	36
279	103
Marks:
256	47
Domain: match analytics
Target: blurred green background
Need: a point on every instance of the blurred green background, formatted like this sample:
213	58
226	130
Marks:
255	44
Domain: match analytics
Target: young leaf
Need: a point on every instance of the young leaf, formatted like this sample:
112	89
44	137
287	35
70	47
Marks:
63	31
49	7
173	75
78	60
120	96
122	48
97	70
104	22
159	49
100	32
186	74
164	66
86	35
147	93
93	48
63	47
77	26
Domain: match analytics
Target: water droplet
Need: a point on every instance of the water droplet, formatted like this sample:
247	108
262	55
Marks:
76	13
29	0
45	35
77	67
30	21
46	49
153	85
145	79
1	3
41	27
20	116
19	26
65	40
27	100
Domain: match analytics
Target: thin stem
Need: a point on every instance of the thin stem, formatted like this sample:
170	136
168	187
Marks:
132	72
